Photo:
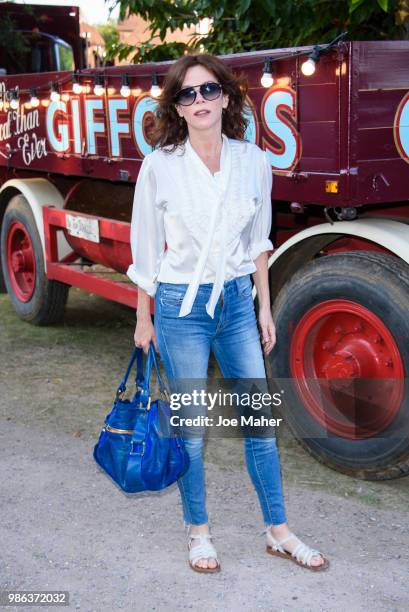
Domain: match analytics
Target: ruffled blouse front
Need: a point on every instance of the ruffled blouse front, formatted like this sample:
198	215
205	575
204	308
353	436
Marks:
214	225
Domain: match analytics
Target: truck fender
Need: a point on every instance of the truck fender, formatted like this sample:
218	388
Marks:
303	246
38	192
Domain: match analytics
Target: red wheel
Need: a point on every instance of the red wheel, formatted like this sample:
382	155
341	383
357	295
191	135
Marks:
342	358
343	354
20	261
35	298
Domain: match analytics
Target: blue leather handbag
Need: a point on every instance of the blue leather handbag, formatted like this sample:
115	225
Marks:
138	448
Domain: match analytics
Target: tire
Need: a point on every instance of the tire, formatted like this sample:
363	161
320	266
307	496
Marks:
35	298
3	288
342	323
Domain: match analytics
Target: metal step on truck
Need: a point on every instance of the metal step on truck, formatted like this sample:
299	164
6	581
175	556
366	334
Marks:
334	121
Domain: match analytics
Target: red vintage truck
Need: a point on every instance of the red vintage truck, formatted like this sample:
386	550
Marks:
71	144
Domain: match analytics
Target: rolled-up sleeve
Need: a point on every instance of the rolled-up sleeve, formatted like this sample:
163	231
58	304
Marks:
261	226
147	234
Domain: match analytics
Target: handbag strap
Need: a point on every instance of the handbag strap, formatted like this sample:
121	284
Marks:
137	354
151	359
141	433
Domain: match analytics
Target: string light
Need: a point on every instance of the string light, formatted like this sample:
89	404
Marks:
99	87
155	89
308	67
267	78
125	90
76	85
55	94
14	101
34	101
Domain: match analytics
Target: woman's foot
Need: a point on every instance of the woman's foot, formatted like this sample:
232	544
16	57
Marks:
203	562
280	532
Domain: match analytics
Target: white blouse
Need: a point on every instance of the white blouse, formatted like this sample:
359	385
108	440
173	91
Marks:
214	225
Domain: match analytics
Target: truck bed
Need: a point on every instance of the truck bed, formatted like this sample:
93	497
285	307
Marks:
344	130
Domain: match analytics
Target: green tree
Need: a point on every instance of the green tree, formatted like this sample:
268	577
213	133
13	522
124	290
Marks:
110	34
13	44
250	25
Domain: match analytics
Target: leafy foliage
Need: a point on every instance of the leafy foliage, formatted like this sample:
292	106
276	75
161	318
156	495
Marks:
109	33
250	25
12	42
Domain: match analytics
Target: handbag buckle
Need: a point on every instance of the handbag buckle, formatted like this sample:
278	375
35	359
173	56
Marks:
134	444
148	405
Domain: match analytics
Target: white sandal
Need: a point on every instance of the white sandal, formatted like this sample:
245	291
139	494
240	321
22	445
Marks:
203	551
302	554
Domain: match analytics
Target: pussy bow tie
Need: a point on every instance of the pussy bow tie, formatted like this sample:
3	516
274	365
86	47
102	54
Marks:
220	187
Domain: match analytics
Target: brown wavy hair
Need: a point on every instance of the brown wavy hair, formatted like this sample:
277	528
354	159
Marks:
171	129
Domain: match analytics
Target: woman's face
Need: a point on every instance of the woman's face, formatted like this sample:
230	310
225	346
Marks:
202	114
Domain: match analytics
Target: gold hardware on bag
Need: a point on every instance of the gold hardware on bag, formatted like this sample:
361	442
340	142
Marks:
148	405
118	431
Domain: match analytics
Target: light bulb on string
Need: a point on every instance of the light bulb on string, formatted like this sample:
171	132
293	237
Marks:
155	88
99	88
34	101
14	101
55	94
76	85
267	78
125	90
308	67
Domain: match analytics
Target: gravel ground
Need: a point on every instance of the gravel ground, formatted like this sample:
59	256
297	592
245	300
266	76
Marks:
66	526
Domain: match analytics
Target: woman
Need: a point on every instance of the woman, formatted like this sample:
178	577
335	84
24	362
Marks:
206	192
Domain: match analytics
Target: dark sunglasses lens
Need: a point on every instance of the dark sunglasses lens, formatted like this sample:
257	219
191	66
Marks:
210	91
186	96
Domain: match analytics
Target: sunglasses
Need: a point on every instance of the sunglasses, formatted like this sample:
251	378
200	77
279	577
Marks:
209	91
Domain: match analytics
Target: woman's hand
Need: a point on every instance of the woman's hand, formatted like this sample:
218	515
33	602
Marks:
144	330
145	334
267	327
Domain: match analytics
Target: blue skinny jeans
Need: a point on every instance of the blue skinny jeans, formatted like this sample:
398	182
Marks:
184	345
